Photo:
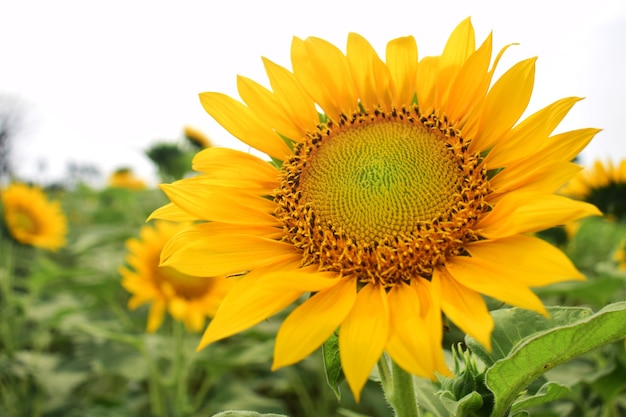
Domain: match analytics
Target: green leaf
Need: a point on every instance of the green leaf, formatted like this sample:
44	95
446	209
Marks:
332	364
550	391
245	413
512	325
545	350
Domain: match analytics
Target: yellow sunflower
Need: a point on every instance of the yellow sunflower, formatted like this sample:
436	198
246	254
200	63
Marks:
603	185
125	178
398	189
32	218
620	256
196	138
189	299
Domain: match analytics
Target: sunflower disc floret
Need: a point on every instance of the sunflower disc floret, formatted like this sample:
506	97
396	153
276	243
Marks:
385	197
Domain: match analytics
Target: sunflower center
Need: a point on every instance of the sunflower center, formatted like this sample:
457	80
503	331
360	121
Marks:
384	196
380	179
25	222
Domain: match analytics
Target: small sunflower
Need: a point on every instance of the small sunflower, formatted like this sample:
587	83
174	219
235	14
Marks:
125	178
33	219
398	189
620	256
603	185
196	138
189	299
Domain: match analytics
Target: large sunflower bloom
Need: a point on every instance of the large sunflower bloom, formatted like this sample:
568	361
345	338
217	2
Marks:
32	219
414	192
189	299
603	185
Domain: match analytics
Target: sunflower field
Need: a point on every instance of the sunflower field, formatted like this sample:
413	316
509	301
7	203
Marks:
408	247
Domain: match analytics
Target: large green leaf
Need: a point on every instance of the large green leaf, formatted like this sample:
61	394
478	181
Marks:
547	349
512	325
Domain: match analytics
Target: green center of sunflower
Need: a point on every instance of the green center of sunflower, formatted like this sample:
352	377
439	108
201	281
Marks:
380	179
385	197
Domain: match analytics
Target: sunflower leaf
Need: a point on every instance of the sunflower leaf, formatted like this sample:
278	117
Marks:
538	353
550	391
512	325
332	364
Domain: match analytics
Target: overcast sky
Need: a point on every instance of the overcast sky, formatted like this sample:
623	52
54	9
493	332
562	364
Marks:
99	82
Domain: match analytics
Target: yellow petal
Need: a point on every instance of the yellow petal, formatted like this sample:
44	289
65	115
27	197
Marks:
235	166
401	58
425	84
465	307
528	212
221	204
155	315
531	133
504	104
565	146
470	85
414	343
267	107
322	69
244	306
548	177
482	276
312	323
207	255
525	259
471	121
363	336
459	47
173	213
370	74
244	124
299	105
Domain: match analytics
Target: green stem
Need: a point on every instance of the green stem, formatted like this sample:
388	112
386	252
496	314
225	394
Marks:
180	370
154	384
8	305
399	388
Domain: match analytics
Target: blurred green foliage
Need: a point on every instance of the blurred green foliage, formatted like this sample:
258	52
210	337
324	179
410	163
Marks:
70	347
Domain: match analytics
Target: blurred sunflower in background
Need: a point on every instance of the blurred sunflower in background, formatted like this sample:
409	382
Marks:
196	138
620	256
603	185
189	299
413	191
31	218
125	178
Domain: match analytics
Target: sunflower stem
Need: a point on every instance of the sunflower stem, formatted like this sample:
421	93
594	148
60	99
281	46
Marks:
399	388
180	370
8	304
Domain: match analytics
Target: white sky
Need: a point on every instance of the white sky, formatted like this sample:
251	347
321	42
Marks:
102	81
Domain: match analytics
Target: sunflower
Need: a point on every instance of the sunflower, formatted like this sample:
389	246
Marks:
32	219
603	185
398	189
125	178
189	299
196	138
620	256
